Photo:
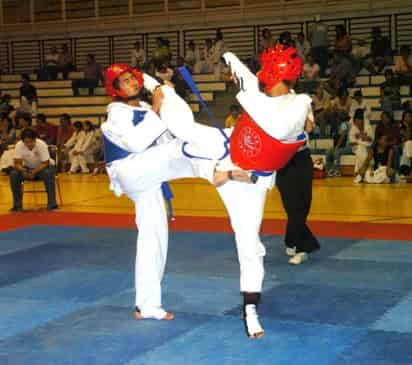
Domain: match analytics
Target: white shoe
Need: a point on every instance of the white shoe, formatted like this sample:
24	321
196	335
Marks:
298	258
290	251
358	179
252	324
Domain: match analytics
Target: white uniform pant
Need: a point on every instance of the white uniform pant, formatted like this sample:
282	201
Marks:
378	176
244	202
80	161
361	154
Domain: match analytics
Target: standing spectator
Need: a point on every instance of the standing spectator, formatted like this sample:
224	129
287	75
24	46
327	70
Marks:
358	102
233	116
403	68
302	46
32	162
218	50
192	58
93	73
267	39
138	58
45	131
380	52
318	37
390	93
321	109
28	97
50	69
343	42
65	61
361	139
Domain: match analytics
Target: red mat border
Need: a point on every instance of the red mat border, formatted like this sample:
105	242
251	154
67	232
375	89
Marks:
380	231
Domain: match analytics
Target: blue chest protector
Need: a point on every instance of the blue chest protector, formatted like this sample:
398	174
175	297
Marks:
113	152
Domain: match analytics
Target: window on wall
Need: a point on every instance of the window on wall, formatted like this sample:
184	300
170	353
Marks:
16	11
148	6
47	10
178	5
77	9
113	7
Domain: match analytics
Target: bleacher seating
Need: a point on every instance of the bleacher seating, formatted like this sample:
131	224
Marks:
56	97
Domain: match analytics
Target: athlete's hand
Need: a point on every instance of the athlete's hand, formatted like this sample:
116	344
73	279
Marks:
157	99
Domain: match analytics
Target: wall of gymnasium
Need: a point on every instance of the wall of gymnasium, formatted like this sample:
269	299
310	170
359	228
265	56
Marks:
88	28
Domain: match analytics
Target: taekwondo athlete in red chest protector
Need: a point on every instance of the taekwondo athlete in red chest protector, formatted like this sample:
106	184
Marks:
267	136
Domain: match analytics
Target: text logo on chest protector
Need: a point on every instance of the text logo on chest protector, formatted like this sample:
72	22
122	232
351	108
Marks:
250	142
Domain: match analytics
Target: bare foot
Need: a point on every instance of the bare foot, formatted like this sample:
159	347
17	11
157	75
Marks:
167	317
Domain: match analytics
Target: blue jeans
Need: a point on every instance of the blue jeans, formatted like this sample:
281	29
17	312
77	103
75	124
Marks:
333	157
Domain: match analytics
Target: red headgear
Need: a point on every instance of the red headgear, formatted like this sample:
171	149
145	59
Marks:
278	64
113	72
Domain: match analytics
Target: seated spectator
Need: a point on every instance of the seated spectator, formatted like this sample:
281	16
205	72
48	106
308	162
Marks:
28	97
405	169
390	93
206	58
84	149
310	75
303	46
93	73
233	116
361	139
389	128
5	106
341	75
164	72
360	54
382	155
321	109
64	133
65	61
21	122
381	52
7	133
403	68
343	42
32	162
75	140
46	131
138	58
342	147
340	109
50	69
192	57
358	102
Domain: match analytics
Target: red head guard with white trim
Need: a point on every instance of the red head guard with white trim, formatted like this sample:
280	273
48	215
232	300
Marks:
278	64
113	72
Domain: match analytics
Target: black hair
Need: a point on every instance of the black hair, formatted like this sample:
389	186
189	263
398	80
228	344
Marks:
66	116
359	114
25	77
234	108
89	124
28	133
41	117
78	125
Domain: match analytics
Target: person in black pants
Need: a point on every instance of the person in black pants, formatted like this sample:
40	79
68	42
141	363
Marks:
294	182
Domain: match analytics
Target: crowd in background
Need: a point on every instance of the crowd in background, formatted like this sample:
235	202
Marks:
328	74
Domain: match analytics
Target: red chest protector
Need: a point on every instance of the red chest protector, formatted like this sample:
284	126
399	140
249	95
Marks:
251	148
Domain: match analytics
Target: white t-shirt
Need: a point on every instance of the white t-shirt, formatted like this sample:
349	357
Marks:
32	158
